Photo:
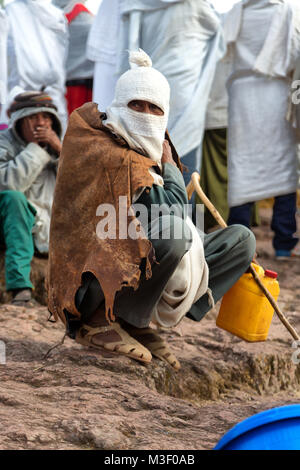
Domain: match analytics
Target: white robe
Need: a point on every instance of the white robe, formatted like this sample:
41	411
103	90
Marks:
184	40
77	66
102	48
3	65
37	49
262	151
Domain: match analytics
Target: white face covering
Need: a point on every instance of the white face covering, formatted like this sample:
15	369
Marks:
142	131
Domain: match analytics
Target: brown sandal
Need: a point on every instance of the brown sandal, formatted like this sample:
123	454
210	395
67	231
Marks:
152	341
99	338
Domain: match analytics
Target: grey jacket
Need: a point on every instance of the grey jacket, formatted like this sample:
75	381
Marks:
30	169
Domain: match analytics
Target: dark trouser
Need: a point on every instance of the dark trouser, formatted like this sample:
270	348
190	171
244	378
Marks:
283	221
228	253
17	219
135	307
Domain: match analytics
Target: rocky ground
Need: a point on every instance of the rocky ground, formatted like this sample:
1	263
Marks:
80	399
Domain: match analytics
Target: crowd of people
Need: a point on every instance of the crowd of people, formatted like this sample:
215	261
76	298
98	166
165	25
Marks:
222	87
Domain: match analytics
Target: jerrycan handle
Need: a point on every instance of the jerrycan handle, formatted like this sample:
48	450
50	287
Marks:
259	269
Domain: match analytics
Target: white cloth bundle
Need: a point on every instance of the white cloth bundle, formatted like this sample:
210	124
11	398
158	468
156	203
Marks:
188	283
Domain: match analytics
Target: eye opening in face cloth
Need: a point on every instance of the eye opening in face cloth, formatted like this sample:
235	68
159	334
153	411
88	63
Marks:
143	106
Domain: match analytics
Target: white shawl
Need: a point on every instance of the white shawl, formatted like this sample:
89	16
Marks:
188	283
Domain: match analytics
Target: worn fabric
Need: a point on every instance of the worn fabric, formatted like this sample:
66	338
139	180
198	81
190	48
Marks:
173	240
17	218
262	158
185	48
30	169
95	168
44	26
133	306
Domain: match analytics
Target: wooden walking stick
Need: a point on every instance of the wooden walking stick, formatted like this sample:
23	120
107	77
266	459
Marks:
194	185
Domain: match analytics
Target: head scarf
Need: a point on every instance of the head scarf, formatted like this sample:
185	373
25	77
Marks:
143	132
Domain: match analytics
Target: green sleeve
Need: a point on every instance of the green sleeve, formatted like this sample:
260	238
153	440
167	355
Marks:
172	194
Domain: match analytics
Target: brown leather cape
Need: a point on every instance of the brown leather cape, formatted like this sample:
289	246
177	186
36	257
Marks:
95	167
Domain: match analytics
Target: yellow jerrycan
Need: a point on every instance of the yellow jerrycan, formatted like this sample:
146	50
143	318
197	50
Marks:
245	311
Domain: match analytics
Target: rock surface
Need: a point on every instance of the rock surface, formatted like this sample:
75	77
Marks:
78	398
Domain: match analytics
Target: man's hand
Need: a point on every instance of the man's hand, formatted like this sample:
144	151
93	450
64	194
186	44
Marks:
167	154
46	135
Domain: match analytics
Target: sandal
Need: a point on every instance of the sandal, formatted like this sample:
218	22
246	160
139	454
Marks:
23	298
156	345
104	338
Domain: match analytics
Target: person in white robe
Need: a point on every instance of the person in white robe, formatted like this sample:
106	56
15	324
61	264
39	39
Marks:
184	40
102	46
79	69
37	49
262	147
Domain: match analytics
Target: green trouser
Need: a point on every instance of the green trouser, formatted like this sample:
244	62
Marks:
228	253
17	218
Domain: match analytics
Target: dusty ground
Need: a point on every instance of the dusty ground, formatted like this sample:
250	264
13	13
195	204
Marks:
78	399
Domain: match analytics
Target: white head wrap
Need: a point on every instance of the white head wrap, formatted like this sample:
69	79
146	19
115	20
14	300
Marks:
143	132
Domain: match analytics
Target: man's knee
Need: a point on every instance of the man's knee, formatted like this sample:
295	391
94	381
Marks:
180	238
247	242
172	238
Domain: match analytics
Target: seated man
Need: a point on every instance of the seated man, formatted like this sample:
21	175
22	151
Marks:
29	151
110	277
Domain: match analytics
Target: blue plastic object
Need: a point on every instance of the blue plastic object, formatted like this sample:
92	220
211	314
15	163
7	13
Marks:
275	429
